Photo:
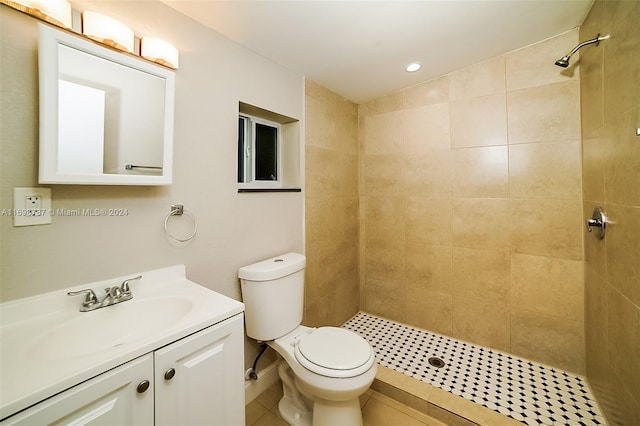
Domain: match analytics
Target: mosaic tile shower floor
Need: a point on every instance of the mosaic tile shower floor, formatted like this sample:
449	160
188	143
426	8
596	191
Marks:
531	393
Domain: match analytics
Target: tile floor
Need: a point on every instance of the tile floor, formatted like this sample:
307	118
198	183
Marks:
528	392
377	410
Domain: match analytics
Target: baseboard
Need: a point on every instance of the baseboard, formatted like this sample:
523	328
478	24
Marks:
266	377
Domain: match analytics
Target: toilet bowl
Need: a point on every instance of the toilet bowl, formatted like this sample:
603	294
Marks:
331	368
323	370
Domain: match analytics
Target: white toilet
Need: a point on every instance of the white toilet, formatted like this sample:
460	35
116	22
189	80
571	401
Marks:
324	370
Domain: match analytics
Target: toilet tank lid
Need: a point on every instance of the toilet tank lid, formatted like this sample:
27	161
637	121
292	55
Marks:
273	268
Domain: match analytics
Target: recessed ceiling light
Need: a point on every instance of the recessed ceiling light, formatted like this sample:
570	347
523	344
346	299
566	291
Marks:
413	67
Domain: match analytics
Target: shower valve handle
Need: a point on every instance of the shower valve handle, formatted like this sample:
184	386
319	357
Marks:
594	223
598	220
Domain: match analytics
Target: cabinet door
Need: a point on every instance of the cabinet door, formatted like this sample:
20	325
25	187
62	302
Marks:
199	379
111	398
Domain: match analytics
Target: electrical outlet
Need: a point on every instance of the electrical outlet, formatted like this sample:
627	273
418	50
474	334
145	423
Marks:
31	206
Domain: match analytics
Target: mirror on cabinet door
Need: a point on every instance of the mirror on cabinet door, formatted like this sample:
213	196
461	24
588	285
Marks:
106	118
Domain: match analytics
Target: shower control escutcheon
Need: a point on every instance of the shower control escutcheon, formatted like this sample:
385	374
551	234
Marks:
598	223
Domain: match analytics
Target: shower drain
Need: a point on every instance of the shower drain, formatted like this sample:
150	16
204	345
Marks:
436	362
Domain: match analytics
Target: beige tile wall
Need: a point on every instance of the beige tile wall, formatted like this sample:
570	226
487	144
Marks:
610	91
332	291
471	199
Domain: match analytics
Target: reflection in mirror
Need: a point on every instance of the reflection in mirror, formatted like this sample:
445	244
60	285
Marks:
81	119
129	103
106	117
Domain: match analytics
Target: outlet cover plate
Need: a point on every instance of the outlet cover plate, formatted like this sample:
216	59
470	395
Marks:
23	215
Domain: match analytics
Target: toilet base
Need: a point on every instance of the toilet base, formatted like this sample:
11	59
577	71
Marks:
294	407
292	415
331	413
324	413
297	410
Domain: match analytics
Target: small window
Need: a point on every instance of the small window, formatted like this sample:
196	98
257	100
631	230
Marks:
268	151
259	152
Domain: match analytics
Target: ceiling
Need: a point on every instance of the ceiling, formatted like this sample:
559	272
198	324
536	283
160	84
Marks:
359	49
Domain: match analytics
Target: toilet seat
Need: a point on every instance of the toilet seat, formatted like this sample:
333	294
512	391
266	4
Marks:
334	352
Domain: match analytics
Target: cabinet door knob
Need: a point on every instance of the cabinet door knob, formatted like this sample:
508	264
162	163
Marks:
168	375
143	386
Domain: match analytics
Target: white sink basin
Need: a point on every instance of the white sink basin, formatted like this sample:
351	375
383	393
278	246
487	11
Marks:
47	345
109	327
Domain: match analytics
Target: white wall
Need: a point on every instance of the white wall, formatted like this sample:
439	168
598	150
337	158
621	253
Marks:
233	229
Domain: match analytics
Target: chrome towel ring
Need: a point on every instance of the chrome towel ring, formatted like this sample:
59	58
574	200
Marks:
178	210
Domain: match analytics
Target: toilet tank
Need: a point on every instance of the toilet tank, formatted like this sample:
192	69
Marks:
273	295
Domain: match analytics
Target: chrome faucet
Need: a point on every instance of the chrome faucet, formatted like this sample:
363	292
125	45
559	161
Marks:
126	290
113	295
90	301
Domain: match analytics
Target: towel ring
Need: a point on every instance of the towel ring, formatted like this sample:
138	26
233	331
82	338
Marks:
178	210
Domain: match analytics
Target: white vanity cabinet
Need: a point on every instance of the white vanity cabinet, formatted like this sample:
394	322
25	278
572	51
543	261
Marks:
197	380
111	398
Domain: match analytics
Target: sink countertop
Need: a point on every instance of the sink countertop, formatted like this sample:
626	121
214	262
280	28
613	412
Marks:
41	356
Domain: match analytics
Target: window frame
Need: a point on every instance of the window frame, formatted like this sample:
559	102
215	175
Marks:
249	149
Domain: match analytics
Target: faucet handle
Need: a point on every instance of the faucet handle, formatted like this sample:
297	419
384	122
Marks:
125	284
90	297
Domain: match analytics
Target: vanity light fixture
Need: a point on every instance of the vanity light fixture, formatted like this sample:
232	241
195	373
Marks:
159	51
413	67
107	30
56	12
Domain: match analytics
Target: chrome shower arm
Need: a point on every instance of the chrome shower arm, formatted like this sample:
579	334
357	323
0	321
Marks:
596	40
564	61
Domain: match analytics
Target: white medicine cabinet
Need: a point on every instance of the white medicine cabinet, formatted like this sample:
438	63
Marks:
106	117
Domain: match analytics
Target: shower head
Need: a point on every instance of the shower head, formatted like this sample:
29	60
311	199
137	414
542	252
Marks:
564	61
